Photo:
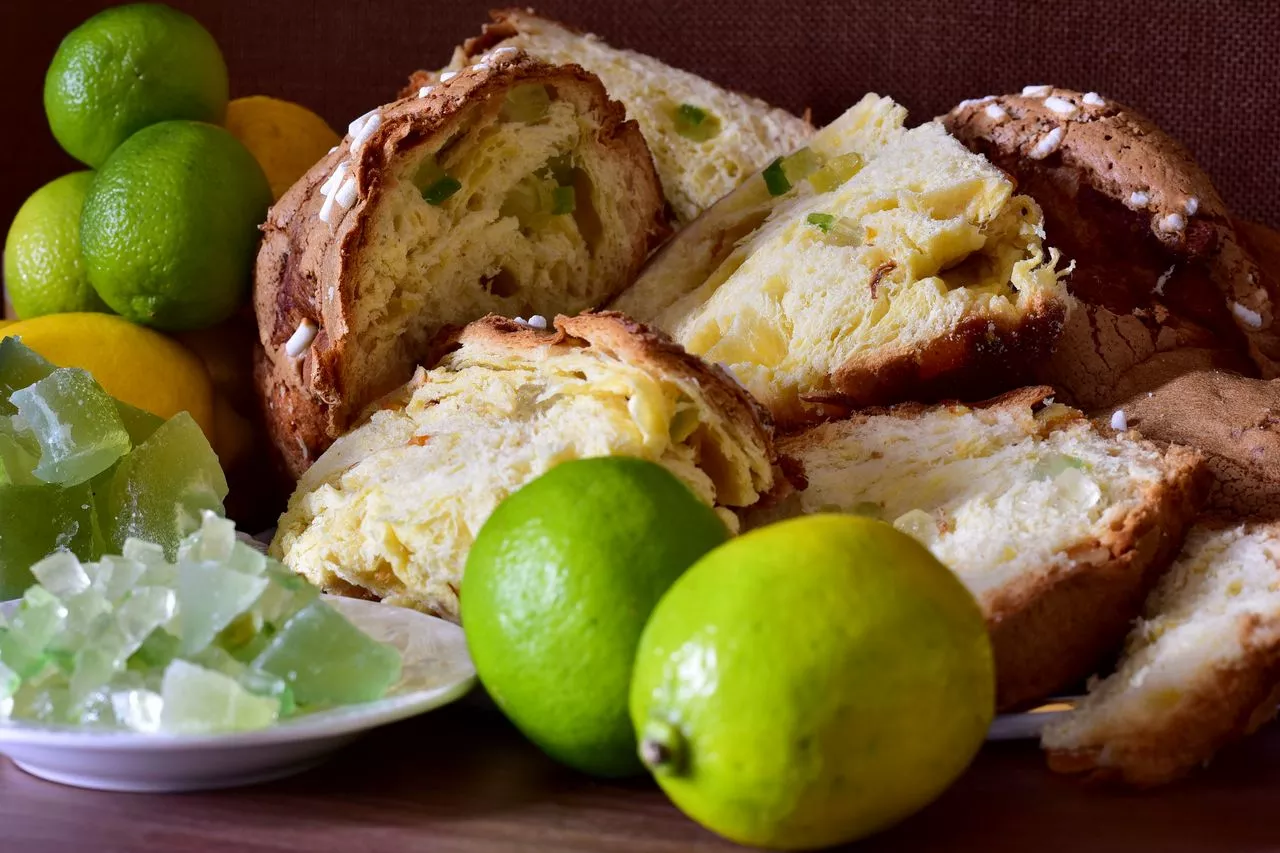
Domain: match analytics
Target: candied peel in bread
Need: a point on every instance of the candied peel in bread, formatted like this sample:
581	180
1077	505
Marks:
517	188
1159	265
1201	668
391	509
1057	528
880	264
705	139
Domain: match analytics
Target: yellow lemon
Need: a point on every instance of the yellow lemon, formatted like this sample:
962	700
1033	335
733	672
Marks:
287	139
134	364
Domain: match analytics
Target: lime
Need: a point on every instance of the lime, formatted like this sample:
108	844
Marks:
171	225
287	139
129	67
557	589
43	270
133	364
812	682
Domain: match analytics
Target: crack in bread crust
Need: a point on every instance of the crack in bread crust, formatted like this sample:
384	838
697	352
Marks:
306	270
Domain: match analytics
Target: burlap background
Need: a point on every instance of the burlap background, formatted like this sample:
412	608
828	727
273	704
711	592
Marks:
1205	69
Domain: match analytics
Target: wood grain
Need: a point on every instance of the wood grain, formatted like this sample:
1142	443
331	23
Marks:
462	780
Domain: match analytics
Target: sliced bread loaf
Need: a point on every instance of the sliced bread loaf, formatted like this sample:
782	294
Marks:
877	265
391	509
516	188
1201	668
1056	528
705	139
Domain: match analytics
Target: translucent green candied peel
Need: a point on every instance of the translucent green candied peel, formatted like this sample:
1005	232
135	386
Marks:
20	366
77	425
35	520
222	639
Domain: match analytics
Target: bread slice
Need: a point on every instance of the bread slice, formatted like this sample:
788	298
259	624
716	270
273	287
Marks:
516	188
390	511
903	268
1056	528
1159	265
1201	669
703	152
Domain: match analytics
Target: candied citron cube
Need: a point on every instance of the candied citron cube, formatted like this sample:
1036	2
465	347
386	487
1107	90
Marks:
39	520
76	424
20	366
198	700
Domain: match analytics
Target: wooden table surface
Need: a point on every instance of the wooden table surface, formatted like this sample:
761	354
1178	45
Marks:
461	779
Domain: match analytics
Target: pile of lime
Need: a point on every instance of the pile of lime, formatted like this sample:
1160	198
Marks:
803	685
83	472
220	639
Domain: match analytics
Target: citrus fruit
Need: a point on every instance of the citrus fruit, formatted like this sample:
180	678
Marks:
136	365
170	225
557	588
812	682
129	67
43	270
288	139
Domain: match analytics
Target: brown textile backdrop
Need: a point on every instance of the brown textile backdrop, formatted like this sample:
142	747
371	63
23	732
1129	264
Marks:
1207	70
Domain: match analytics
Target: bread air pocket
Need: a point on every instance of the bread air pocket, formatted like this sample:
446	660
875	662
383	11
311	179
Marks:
514	187
878	264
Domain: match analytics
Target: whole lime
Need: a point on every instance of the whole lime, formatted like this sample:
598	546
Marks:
129	67
170	225
812	682
557	589
43	270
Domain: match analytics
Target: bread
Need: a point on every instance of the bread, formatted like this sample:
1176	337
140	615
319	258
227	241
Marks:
1057	528
743	133
390	510
1234	420
1158	262
922	276
1201	669
555	204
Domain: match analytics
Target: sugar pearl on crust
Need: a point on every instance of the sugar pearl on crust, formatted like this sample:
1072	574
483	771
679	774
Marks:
301	339
447	76
1119	421
537	321
1093	99
1036	91
1246	315
996	112
1047	145
1191	205
506	50
1172	222
355	126
1061	106
1138	198
975	102
424	91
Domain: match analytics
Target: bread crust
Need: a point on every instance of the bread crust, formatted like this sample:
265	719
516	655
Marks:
1159	265
305	268
1229	702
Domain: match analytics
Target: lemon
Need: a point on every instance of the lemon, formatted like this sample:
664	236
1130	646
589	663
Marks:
129	67
812	682
286	138
43	270
557	588
170	226
136	365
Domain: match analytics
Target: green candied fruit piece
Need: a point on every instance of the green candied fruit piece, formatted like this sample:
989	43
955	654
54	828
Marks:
114	638
254	680
35	521
25	641
138	709
1051	466
19	453
140	424
20	366
76	423
526	103
214	541
563	200
329	661
62	574
157	570
10	681
287	594
210	597
836	171
43	699
821	221
196	700
115	577
156	652
695	123
160	489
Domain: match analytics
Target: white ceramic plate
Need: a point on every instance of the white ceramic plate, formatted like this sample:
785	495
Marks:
437	670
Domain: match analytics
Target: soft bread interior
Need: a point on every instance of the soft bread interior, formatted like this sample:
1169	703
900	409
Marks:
539	223
393	507
736	134
1000	495
916	236
1217	605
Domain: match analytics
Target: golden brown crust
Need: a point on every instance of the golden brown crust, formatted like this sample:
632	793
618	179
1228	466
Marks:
305	268
1158	262
1049	635
1233	420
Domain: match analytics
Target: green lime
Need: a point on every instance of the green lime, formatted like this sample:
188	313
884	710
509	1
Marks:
557	589
170	226
812	682
129	67
43	269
